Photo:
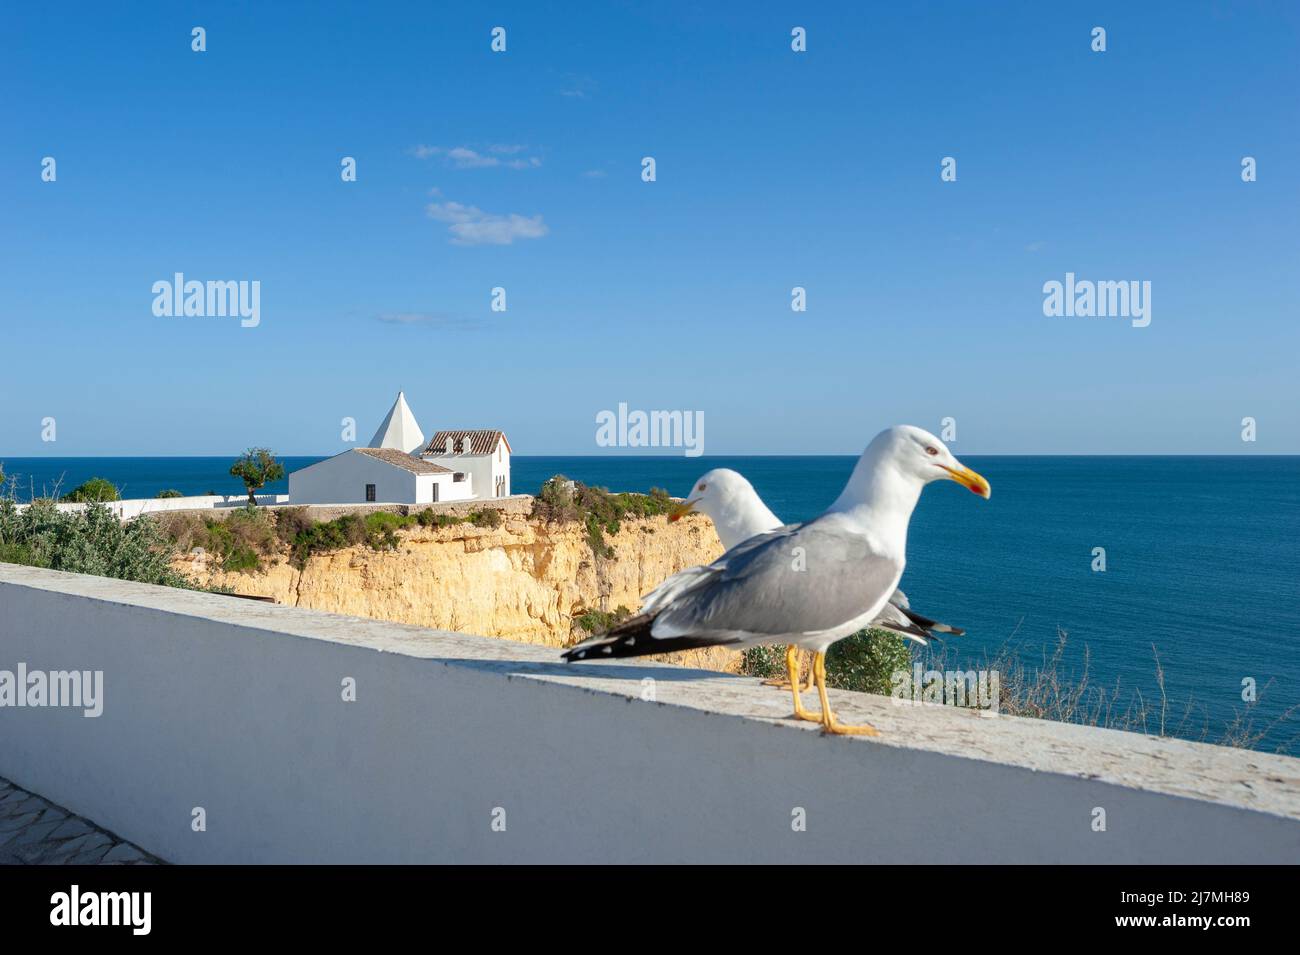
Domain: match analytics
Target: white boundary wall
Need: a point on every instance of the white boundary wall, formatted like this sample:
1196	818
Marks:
134	507
236	707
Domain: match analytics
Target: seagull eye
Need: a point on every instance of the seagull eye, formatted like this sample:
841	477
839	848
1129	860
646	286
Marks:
932	451
701	487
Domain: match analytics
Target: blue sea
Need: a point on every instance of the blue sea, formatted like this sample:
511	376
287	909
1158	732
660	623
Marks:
1202	557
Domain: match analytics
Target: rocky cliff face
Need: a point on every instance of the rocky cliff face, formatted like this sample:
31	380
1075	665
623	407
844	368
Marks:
525	580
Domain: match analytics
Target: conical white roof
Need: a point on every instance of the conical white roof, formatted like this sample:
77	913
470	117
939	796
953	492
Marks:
399	429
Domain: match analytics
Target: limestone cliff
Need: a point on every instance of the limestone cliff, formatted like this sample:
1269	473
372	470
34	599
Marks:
525	580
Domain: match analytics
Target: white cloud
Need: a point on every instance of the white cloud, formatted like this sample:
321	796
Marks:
463	157
470	225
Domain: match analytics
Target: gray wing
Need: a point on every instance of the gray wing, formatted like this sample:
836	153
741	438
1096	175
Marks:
802	578
664	594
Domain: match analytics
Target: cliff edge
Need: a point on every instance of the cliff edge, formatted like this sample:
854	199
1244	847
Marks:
526	580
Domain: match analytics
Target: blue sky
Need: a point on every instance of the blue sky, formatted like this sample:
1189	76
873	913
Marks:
774	169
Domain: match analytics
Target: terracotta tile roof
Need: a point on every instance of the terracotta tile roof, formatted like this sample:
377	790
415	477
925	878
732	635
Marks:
480	442
406	462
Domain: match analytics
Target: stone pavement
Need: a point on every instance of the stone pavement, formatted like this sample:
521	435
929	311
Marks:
36	832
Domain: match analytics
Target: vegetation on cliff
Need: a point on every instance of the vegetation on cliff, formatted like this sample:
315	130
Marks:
247	536
599	511
599	621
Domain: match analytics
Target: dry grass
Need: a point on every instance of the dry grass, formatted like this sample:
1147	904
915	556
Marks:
1053	690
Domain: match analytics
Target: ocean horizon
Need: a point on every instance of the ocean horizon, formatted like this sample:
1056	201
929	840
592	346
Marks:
1200	554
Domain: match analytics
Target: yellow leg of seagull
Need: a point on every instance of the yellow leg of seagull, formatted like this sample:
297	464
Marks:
784	682
829	724
792	664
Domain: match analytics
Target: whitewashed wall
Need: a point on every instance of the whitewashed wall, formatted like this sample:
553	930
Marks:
342	479
482	468
501	468
236	708
449	489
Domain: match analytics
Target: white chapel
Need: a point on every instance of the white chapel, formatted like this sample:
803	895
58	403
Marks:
400	467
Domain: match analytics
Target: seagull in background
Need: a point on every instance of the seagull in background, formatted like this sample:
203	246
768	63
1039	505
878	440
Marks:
728	499
808	584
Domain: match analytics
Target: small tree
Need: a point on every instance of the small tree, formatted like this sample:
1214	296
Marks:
96	489
256	468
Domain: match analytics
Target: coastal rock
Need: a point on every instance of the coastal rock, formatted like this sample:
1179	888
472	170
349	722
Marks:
526	580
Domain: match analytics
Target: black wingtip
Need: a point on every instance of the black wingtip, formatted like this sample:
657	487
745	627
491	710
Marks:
925	623
632	638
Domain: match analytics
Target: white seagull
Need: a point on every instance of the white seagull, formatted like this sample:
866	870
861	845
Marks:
807	585
728	499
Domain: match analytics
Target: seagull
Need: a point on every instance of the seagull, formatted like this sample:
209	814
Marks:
807	585
728	499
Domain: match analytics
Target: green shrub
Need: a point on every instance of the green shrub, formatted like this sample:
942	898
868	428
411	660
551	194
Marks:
596	536
326	536
767	662
382	527
96	489
488	517
170	492
292	521
555	501
242	559
865	661
599	621
428	518
19	554
88	541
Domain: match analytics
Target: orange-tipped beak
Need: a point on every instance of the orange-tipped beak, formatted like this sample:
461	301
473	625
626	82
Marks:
969	479
681	510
